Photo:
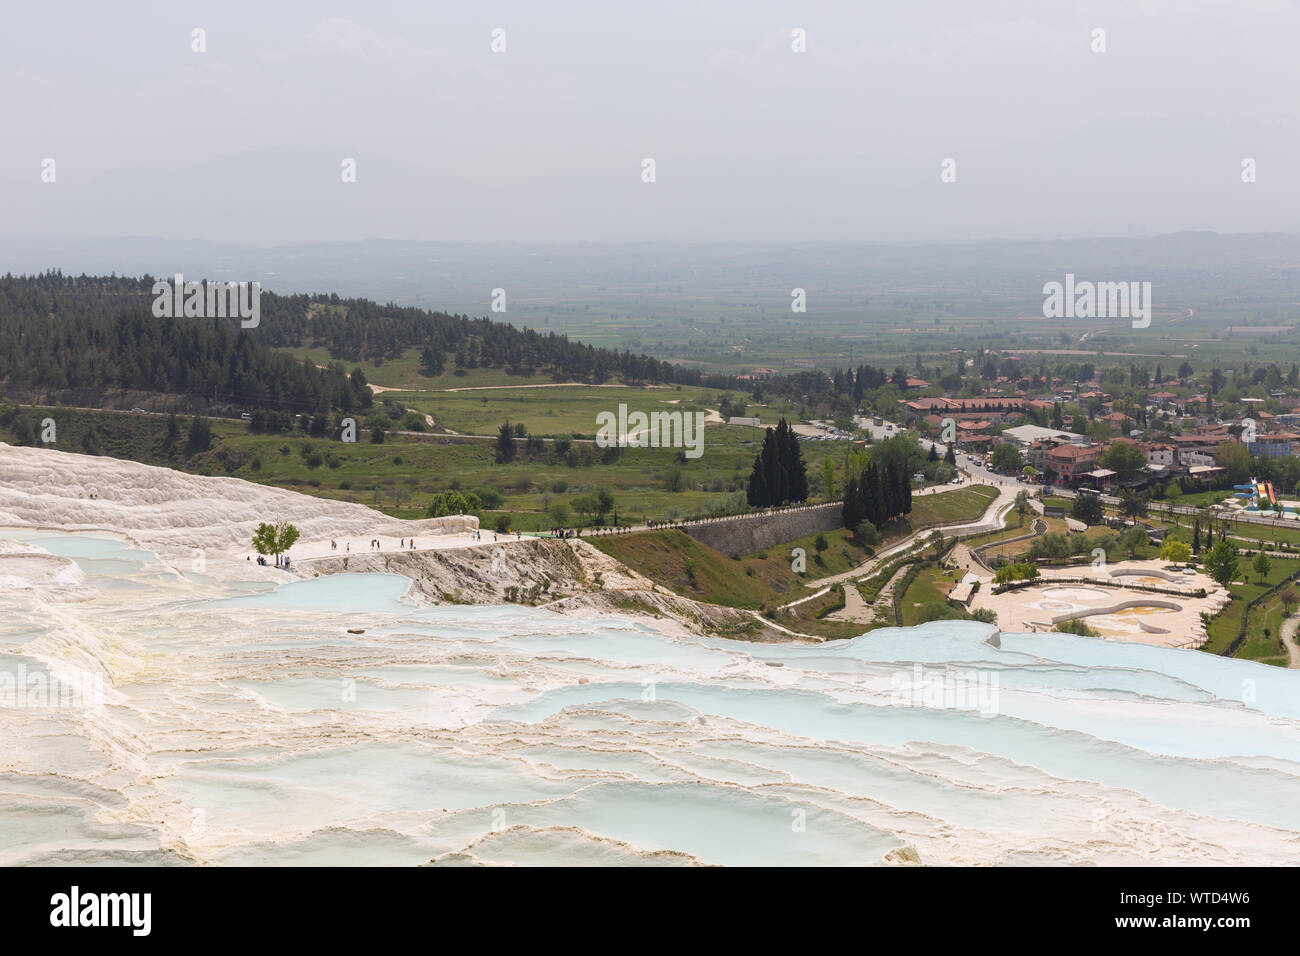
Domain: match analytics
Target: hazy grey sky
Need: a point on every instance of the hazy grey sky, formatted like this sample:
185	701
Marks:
751	140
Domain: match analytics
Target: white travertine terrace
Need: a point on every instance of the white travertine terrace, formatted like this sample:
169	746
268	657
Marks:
175	513
333	721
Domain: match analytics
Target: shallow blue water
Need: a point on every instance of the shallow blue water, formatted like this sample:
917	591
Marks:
440	725
373	593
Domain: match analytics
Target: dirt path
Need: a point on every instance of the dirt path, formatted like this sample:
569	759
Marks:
1288	641
855	608
883	606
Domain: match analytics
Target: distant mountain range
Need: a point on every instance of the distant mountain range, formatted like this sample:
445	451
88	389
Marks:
460	277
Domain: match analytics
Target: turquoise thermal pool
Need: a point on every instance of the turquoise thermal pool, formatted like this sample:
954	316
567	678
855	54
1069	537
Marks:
225	722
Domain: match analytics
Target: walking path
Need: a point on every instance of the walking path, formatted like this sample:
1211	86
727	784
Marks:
855	608
991	521
1288	641
883	606
315	550
1037	529
815	594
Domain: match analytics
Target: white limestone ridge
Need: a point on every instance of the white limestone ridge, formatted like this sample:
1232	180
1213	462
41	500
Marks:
173	512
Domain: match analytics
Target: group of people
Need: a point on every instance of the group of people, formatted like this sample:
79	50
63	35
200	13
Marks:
405	544
577	532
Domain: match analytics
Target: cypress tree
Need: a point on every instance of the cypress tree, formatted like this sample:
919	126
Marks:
773	472
853	511
898	484
759	492
873	495
756	490
793	466
889	490
779	474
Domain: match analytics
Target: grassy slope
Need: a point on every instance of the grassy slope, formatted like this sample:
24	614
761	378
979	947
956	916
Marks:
400	475
1224	627
759	582
765	579
562	410
677	561
949	507
930	586
404	372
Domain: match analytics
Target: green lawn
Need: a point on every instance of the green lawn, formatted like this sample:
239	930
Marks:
760	582
404	372
930	586
1223	628
1244	530
1014	528
1267	649
764	579
842	553
561	410
947	507
1197	499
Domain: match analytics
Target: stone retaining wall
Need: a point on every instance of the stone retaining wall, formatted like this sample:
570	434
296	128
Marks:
750	533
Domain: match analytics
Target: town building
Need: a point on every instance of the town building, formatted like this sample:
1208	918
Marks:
1069	463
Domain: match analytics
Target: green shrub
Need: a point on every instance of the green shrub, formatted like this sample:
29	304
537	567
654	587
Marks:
454	503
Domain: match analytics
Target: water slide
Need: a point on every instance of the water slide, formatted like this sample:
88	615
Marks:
1266	491
1259	490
